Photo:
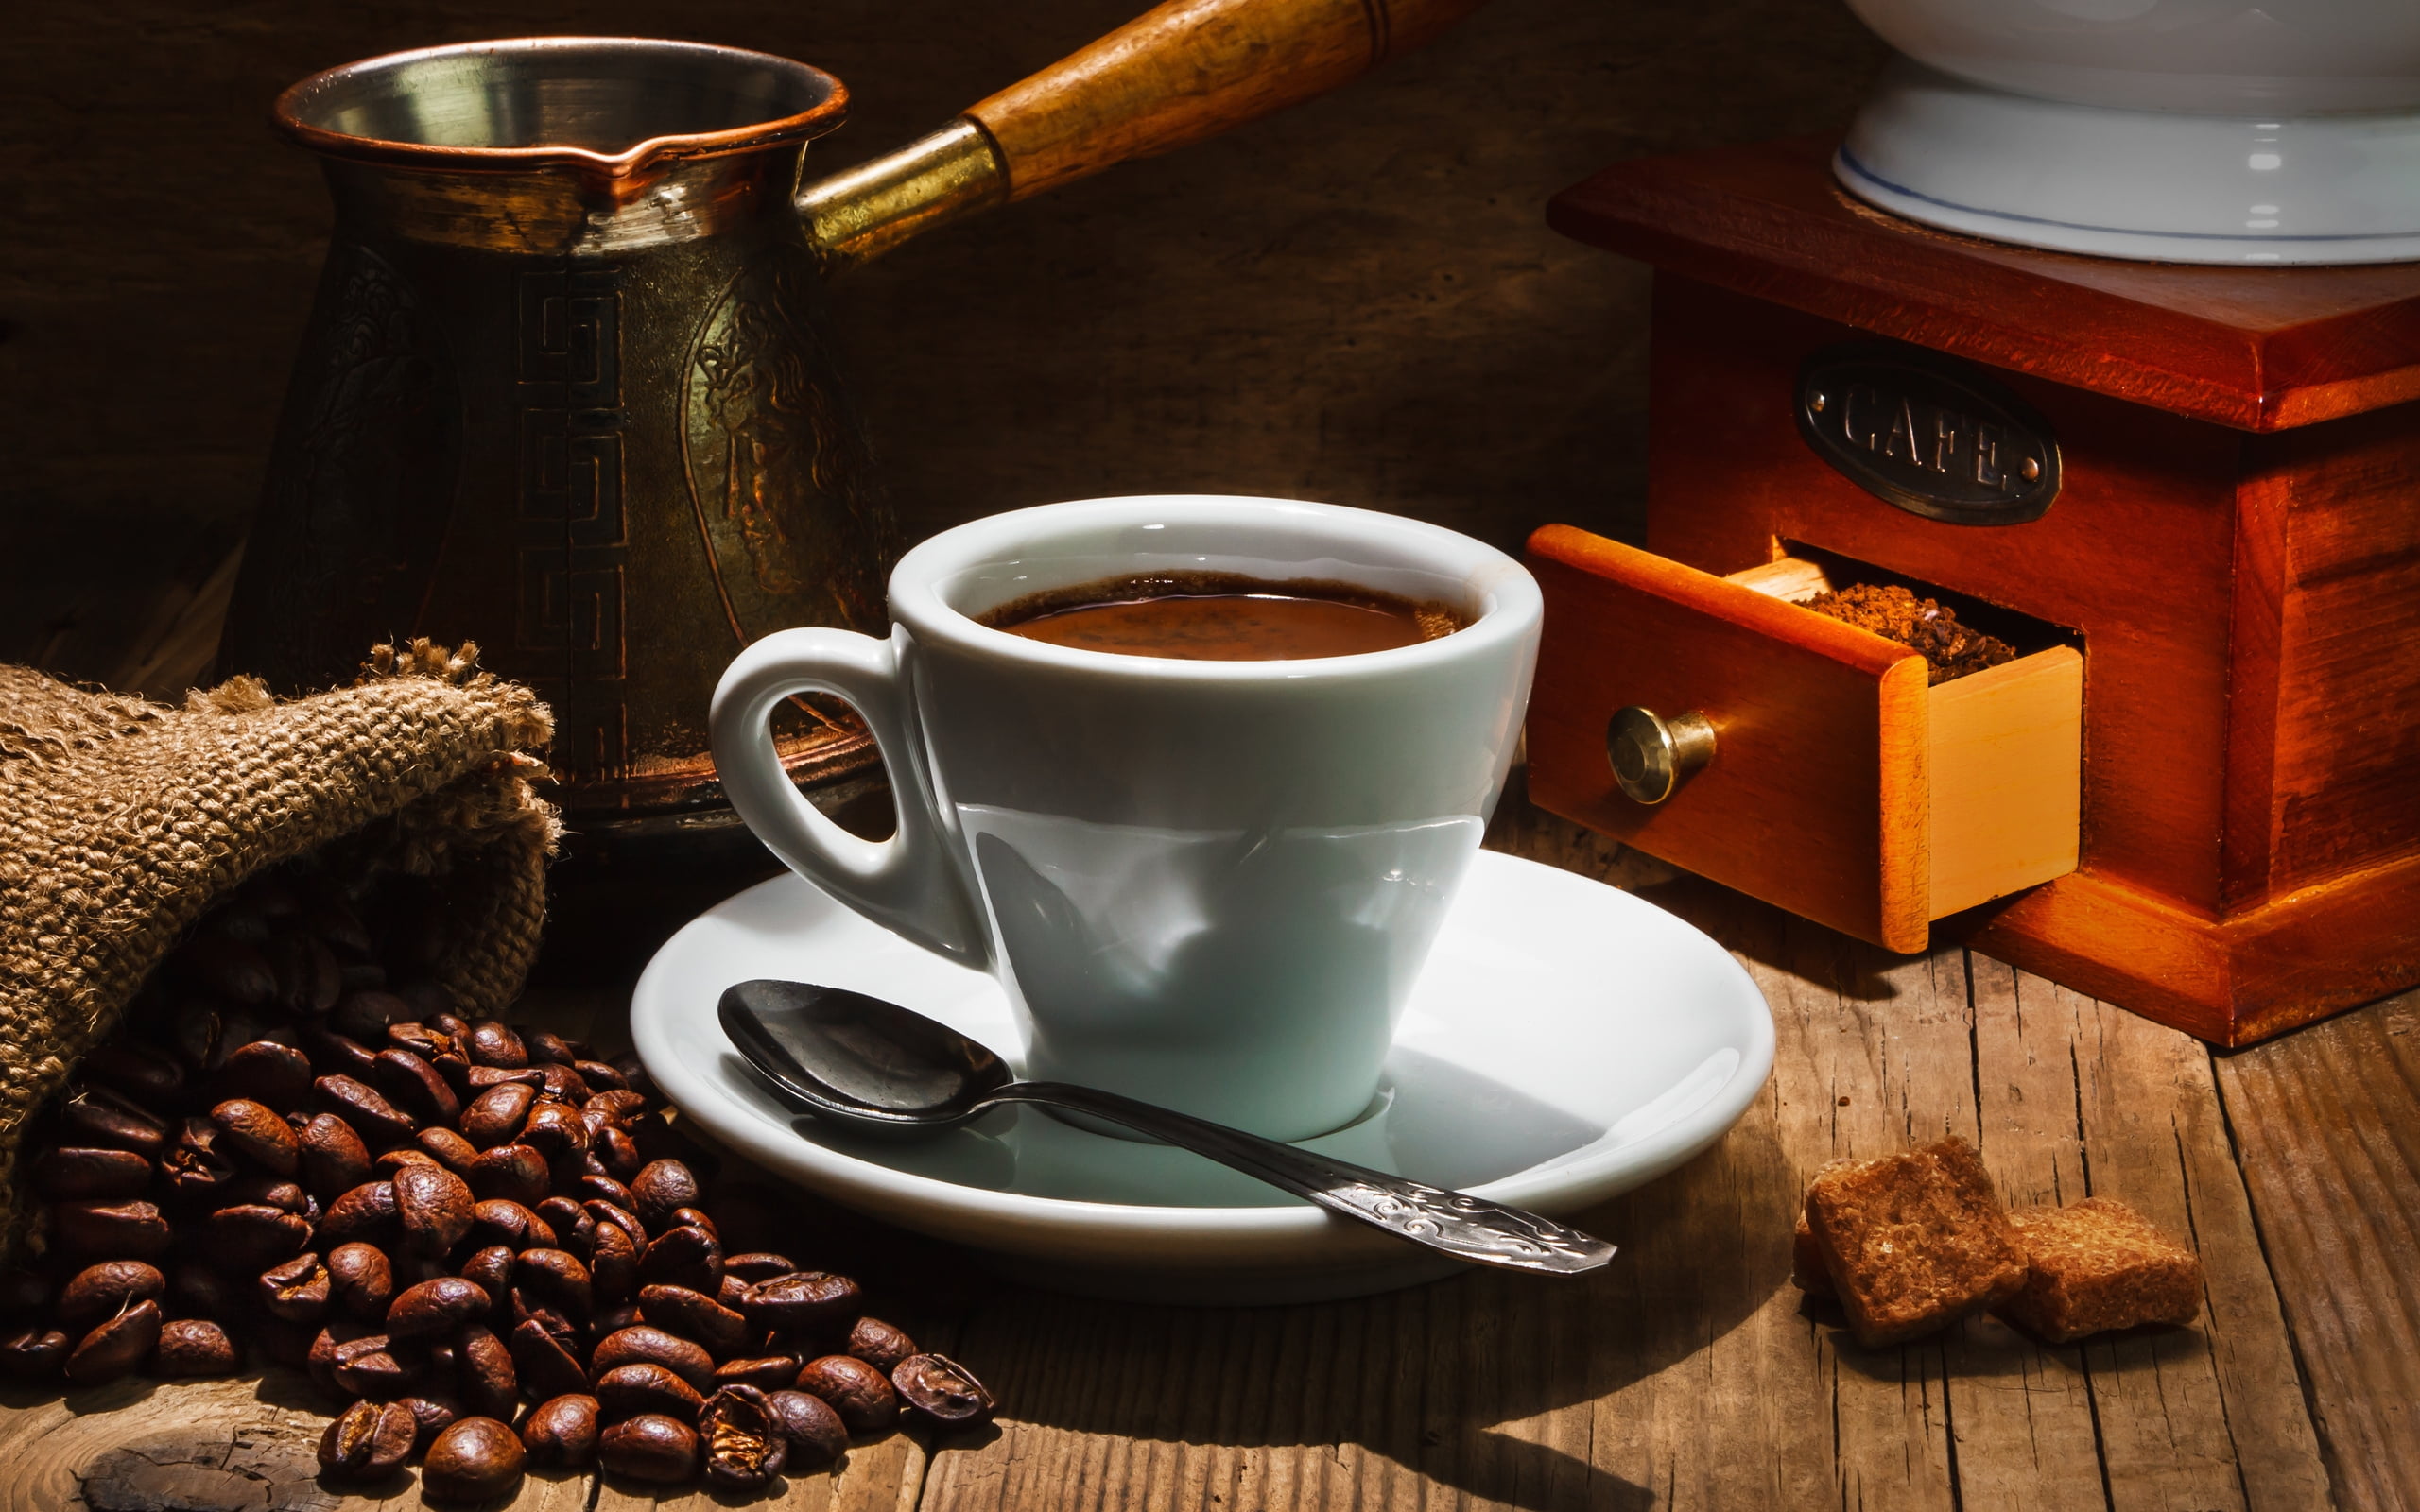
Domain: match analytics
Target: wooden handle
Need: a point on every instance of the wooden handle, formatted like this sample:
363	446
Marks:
1189	70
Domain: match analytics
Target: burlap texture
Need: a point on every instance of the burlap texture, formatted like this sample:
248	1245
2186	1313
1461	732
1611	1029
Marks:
122	821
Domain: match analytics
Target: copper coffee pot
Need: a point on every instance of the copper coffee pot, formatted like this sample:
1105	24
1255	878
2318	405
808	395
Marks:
566	391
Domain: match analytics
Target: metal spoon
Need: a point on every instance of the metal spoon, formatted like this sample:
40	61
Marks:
872	1065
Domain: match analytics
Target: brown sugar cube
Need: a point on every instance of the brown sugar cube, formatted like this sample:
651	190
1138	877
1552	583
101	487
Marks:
1806	1263
1913	1242
2099	1264
1806	1270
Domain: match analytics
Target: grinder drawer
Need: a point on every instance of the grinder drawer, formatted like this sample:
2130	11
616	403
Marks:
1839	785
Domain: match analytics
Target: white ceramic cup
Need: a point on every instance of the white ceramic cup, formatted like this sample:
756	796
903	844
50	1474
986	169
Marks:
1209	885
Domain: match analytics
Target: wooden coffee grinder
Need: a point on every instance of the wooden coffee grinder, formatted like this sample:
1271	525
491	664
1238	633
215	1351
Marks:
2190	496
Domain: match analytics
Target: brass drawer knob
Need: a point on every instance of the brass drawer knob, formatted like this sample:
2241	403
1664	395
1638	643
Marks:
1653	756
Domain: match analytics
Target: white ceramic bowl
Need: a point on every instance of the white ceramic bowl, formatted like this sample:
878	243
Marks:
2179	131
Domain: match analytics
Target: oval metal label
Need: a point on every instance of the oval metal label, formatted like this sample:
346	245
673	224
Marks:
1930	435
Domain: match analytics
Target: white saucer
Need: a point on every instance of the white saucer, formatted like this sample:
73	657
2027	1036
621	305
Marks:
1567	1041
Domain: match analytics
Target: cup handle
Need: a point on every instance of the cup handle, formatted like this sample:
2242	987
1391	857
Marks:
913	882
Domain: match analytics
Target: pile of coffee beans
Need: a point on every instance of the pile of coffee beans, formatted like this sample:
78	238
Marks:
480	1235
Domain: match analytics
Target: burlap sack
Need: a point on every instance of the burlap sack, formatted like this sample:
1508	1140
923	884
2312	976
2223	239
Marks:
122	821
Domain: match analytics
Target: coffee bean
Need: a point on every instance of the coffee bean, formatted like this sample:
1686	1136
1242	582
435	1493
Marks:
366	1441
642	1344
432	1413
477	1080
309	979
942	1389
426	1041
546	1048
491	1268
32	1352
756	1266
378	1122
662	1186
492	1044
696	1218
73	1172
495	1116
433	1205
297	1290
544	1362
601	1076
319	1357
817	1436
498	1220
448	1148
557	1276
861	1395
650	1447
328	917
694	1315
879	1344
683	1257
562	1431
196	1167
555	1131
414	1086
802	1301
616	1107
275	1075
265	1189
604	1210
562	1085
371	1367
193	1347
110	1230
435	1307
337	1055
360	1280
627	1390
491	1384
134	1073
516	1173
772	1372
115	1346
390	1161
252	1236
616	1152
368	1213
100	1292
574	1230
228	969
743	1441
99	1117
633	1074
363	1015
331	1159
257	1134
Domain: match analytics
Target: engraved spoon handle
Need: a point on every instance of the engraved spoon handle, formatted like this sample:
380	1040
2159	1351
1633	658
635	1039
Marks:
1452	1222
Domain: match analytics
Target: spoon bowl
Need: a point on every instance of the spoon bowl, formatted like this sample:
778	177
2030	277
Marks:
858	1059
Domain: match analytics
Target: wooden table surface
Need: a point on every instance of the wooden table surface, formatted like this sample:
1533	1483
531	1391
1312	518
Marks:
1690	1373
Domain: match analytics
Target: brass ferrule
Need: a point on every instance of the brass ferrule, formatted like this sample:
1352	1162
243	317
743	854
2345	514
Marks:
856	216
